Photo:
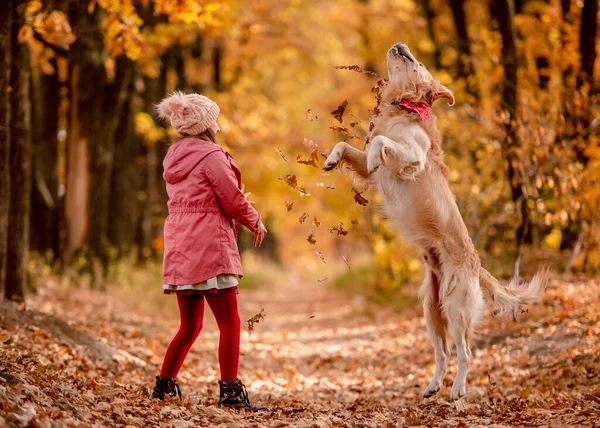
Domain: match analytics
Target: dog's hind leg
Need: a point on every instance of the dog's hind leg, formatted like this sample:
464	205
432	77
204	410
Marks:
437	326
463	308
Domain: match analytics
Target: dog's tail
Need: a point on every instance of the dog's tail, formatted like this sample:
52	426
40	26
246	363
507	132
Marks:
509	299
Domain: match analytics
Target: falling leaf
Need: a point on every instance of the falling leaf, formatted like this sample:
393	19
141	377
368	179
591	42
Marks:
339	230
290	180
256	319
319	255
303	191
338	129
289	205
358	198
306	162
310	144
322	279
280	153
347	263
311	238
309	115
316	222
331	187
311	317
339	112
354	221
303	217
357	68
490	380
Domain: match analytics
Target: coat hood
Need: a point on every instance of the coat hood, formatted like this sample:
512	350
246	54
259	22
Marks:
184	156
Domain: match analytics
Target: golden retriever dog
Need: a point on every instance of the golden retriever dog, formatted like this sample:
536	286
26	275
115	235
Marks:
404	161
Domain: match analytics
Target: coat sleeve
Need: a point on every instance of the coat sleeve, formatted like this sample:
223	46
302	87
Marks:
225	184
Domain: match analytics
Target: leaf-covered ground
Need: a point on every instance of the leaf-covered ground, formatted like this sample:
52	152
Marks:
318	359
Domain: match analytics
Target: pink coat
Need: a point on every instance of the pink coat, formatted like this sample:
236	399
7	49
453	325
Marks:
205	206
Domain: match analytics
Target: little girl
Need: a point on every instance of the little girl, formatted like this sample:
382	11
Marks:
201	260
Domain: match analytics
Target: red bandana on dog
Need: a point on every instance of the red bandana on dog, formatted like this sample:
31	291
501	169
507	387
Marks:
422	109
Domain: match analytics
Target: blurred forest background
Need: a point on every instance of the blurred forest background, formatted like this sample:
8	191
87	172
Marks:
81	189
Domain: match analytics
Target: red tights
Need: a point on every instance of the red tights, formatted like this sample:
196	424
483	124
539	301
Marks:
191	309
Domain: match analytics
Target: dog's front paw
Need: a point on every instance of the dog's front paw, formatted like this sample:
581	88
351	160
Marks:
334	158
330	163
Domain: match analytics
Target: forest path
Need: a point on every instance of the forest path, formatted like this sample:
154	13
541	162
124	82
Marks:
319	358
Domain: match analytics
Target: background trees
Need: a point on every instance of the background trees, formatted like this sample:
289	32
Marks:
83	148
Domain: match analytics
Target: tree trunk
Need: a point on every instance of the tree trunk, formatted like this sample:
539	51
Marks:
126	178
154	190
96	105
587	42
504	12
217	64
44	196
77	176
20	161
102	150
6	15
368	54
465	66
430	16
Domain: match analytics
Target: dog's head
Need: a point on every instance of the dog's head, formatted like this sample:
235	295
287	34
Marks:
411	79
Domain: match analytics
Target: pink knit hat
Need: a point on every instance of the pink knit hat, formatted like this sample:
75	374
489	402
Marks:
189	114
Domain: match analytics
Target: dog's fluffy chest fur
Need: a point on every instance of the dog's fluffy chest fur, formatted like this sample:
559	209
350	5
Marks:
421	209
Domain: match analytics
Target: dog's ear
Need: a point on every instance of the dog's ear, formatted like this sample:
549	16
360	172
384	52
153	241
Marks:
440	91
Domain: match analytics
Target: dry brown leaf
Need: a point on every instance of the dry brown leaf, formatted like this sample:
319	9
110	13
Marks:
331	187
339	129
357	68
347	263
310	144
280	153
358	198
290	180
303	191
303	217
289	205
339	112
310	162
316	222
354	222
322	279
311	238
256	319
309	115
339	230
319	255
311	317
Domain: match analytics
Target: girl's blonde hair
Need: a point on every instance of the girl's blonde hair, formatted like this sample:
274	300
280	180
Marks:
207	135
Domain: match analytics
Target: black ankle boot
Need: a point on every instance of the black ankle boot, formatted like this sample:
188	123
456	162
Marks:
235	396
165	386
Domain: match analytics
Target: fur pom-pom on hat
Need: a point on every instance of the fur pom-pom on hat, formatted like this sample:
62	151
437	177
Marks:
189	114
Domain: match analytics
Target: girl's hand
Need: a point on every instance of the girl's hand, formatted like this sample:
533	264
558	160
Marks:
246	195
260	233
